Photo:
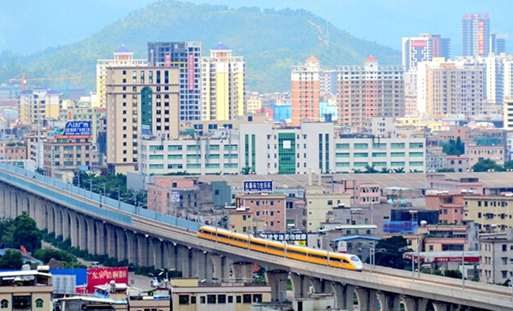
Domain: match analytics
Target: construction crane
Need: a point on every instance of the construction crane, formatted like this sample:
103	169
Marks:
24	81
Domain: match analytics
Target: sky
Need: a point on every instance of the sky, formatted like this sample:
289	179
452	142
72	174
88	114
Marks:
32	25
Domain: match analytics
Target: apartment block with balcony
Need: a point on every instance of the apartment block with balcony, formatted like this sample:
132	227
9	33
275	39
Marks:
490	212
34	292
440	238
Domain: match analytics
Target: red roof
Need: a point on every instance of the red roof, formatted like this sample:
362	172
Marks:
312	59
371	59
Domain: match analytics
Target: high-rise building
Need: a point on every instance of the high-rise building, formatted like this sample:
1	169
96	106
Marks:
498	75
123	57
223	90
38	105
453	88
475	35
140	101
424	48
305	91
186	56
497	43
369	91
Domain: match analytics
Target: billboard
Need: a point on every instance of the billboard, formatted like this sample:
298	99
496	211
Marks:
258	185
190	71
418	43
75	130
480	38
400	226
102	276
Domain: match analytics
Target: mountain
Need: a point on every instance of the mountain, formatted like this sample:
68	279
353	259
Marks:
271	41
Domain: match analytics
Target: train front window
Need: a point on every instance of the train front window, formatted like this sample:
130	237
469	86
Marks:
355	259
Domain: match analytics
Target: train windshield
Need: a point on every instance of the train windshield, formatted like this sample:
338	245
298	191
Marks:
354	258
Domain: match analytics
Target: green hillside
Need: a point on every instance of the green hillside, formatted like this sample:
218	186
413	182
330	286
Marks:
271	41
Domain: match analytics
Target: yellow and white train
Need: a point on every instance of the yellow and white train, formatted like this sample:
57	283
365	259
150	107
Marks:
321	257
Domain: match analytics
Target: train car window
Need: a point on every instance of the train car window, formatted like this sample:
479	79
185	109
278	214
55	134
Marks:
355	259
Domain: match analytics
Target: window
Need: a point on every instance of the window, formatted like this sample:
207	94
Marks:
183	299
39	303
247	298
239	299
230	299
221	298
257	298
4	304
21	302
202	299
211	299
193	299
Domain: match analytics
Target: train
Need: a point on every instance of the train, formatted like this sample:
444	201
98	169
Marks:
301	253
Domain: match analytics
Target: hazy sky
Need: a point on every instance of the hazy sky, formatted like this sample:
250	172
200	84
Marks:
32	25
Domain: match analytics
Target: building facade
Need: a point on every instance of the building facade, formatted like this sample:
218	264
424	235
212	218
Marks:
369	91
305	83
475	35
223	86
496	257
38	105
262	149
423	49
268	210
140	101
186	57
123	57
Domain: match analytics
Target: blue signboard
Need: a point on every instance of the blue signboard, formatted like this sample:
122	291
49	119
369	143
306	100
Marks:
400	227
75	129
258	186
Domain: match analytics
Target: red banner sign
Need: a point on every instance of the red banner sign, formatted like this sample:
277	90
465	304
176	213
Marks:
102	276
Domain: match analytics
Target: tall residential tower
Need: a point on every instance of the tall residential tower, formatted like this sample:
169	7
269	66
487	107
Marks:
305	83
423	49
223	89
187	57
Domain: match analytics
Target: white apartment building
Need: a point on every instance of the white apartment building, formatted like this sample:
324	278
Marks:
262	149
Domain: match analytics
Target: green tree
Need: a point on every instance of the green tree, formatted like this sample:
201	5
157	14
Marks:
454	147
370	170
445	170
508	165
12	259
7	233
26	232
384	170
389	252
399	170
48	253
455	274
486	165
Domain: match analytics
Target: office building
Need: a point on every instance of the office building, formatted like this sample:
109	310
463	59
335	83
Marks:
186	56
475	35
140	101
305	83
122	57
261	149
497	43
369	91
423	49
223	88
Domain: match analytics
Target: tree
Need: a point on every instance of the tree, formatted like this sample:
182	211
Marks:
370	170
399	170
486	165
384	170
26	232
445	170
389	252
47	253
12	259
454	147
7	233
